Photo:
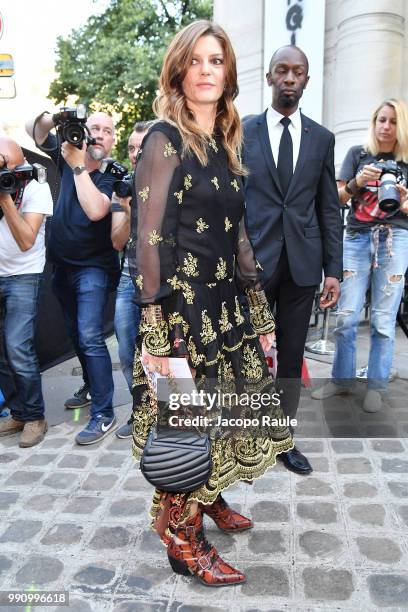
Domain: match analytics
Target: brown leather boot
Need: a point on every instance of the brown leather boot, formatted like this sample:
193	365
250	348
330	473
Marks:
33	433
225	517
10	426
196	556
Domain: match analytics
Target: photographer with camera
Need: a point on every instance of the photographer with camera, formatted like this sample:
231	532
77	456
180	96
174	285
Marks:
24	204
375	177
127	312
86	264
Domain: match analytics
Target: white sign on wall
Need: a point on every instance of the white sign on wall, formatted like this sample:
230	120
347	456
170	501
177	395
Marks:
301	23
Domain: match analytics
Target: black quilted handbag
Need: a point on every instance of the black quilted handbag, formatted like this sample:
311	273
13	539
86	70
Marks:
176	460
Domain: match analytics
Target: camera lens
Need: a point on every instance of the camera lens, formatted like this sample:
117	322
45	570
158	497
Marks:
8	183
74	134
388	194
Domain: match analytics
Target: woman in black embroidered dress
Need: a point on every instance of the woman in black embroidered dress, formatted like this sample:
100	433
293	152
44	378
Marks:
188	254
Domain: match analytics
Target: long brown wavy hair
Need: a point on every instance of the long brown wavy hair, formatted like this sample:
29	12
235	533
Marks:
171	103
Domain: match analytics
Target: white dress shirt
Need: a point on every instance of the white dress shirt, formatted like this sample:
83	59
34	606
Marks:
275	129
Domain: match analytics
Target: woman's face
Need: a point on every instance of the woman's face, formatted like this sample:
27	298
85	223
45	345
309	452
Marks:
205	79
386	127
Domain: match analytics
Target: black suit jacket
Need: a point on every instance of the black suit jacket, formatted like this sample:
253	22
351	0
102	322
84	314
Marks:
308	218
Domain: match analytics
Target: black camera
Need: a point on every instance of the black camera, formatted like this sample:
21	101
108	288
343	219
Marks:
123	184
71	126
12	180
389	199
123	188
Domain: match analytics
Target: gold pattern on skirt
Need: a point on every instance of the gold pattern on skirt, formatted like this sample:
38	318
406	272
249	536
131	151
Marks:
221	272
239	318
190	265
225	325
175	318
207	334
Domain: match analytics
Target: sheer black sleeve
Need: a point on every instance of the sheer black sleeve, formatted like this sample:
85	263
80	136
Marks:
152	245
248	281
154	216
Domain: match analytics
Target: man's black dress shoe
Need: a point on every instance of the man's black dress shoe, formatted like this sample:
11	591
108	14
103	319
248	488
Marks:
296	462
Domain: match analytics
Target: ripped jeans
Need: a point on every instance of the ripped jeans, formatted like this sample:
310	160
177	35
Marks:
387	284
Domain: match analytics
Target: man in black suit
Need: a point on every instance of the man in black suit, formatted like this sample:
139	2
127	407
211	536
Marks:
293	219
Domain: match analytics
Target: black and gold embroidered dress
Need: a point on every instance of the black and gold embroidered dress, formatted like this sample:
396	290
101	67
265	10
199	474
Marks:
189	253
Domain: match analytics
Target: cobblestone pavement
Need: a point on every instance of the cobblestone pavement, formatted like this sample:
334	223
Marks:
75	518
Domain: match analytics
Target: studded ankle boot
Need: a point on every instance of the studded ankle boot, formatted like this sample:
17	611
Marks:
197	557
225	517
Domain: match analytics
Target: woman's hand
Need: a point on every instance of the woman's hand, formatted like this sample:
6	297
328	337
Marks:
267	341
404	198
367	174
155	364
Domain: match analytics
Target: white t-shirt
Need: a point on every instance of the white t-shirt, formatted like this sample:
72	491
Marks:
36	199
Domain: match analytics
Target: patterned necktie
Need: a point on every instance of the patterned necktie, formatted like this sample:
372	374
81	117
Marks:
285	157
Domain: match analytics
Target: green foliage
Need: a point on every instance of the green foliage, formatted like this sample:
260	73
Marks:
113	62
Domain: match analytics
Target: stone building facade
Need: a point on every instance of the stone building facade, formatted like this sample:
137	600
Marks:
365	59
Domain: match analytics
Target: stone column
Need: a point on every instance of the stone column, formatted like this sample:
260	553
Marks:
369	59
243	22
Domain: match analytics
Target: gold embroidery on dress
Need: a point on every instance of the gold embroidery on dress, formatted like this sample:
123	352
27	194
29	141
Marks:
175	318
190	265
221	269
188	182
228	224
174	282
169	150
237	312
196	358
252	366
144	193
179	196
213	144
188	292
225	325
154	238
210	285
201	225
235	185
208	334
139	281
215	182
139	377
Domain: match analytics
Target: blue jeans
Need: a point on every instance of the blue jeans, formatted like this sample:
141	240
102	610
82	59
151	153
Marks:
127	319
387	284
20	379
83	293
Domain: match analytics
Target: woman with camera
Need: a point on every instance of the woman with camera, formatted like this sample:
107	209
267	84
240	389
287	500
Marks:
375	255
188	249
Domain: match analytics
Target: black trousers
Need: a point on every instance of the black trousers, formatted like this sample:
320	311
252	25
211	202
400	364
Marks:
293	307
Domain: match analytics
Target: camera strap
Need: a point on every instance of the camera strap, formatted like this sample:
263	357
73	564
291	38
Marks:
18	200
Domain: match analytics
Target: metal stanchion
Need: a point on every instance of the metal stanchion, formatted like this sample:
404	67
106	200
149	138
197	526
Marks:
322	346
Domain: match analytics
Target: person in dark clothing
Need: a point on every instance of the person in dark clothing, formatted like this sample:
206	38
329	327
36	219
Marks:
293	219
86	264
187	254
